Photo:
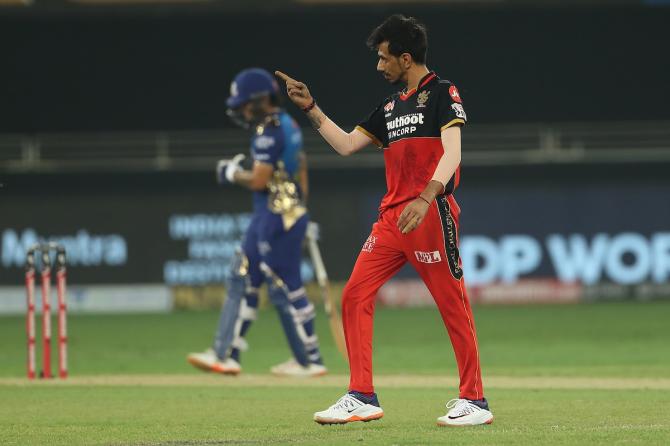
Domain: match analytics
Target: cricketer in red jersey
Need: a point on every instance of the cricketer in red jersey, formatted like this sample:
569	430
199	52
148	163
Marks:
418	129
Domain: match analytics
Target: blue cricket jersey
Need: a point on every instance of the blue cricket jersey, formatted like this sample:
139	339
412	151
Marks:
279	139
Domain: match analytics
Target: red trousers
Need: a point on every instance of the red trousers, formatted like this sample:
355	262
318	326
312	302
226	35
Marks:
432	249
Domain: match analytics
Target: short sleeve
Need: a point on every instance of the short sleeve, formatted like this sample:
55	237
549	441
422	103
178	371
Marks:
450	107
267	147
374	126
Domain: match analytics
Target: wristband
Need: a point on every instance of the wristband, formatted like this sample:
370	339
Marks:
309	107
428	202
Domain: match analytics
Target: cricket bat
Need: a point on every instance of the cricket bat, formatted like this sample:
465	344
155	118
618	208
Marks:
322	278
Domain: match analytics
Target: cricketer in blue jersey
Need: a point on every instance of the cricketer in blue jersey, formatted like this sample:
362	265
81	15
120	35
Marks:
271	249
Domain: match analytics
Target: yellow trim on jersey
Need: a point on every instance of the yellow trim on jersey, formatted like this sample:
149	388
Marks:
371	136
452	122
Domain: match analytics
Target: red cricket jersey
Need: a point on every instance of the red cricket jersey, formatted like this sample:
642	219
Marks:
407	125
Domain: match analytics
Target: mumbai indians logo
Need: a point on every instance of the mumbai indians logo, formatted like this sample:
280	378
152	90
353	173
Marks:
369	244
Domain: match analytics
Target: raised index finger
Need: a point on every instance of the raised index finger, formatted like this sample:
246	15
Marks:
284	77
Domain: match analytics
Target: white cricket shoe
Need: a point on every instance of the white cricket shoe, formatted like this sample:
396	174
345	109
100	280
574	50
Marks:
209	362
348	409
293	368
463	412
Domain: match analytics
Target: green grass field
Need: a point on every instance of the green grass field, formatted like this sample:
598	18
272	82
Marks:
587	374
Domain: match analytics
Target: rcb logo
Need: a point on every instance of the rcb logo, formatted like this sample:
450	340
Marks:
422	99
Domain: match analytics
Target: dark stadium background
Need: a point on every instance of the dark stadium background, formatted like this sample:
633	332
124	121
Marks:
99	69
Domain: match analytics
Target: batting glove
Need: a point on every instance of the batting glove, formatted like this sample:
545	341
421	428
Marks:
226	168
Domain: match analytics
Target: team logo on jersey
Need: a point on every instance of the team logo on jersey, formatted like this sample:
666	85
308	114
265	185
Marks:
458	109
264	142
389	107
422	98
369	244
264	248
453	92
428	257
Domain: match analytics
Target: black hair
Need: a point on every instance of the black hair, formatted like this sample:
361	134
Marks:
404	35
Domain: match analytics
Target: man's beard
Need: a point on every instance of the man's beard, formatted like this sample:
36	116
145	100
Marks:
396	81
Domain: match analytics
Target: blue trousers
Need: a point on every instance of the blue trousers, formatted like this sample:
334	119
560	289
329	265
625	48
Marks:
267	241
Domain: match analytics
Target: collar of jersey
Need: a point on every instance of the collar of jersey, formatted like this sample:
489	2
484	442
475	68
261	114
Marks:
422	83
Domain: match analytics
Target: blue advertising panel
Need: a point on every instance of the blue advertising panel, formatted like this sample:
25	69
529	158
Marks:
584	240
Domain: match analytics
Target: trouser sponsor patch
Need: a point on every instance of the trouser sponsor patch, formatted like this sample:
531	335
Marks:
369	244
428	257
